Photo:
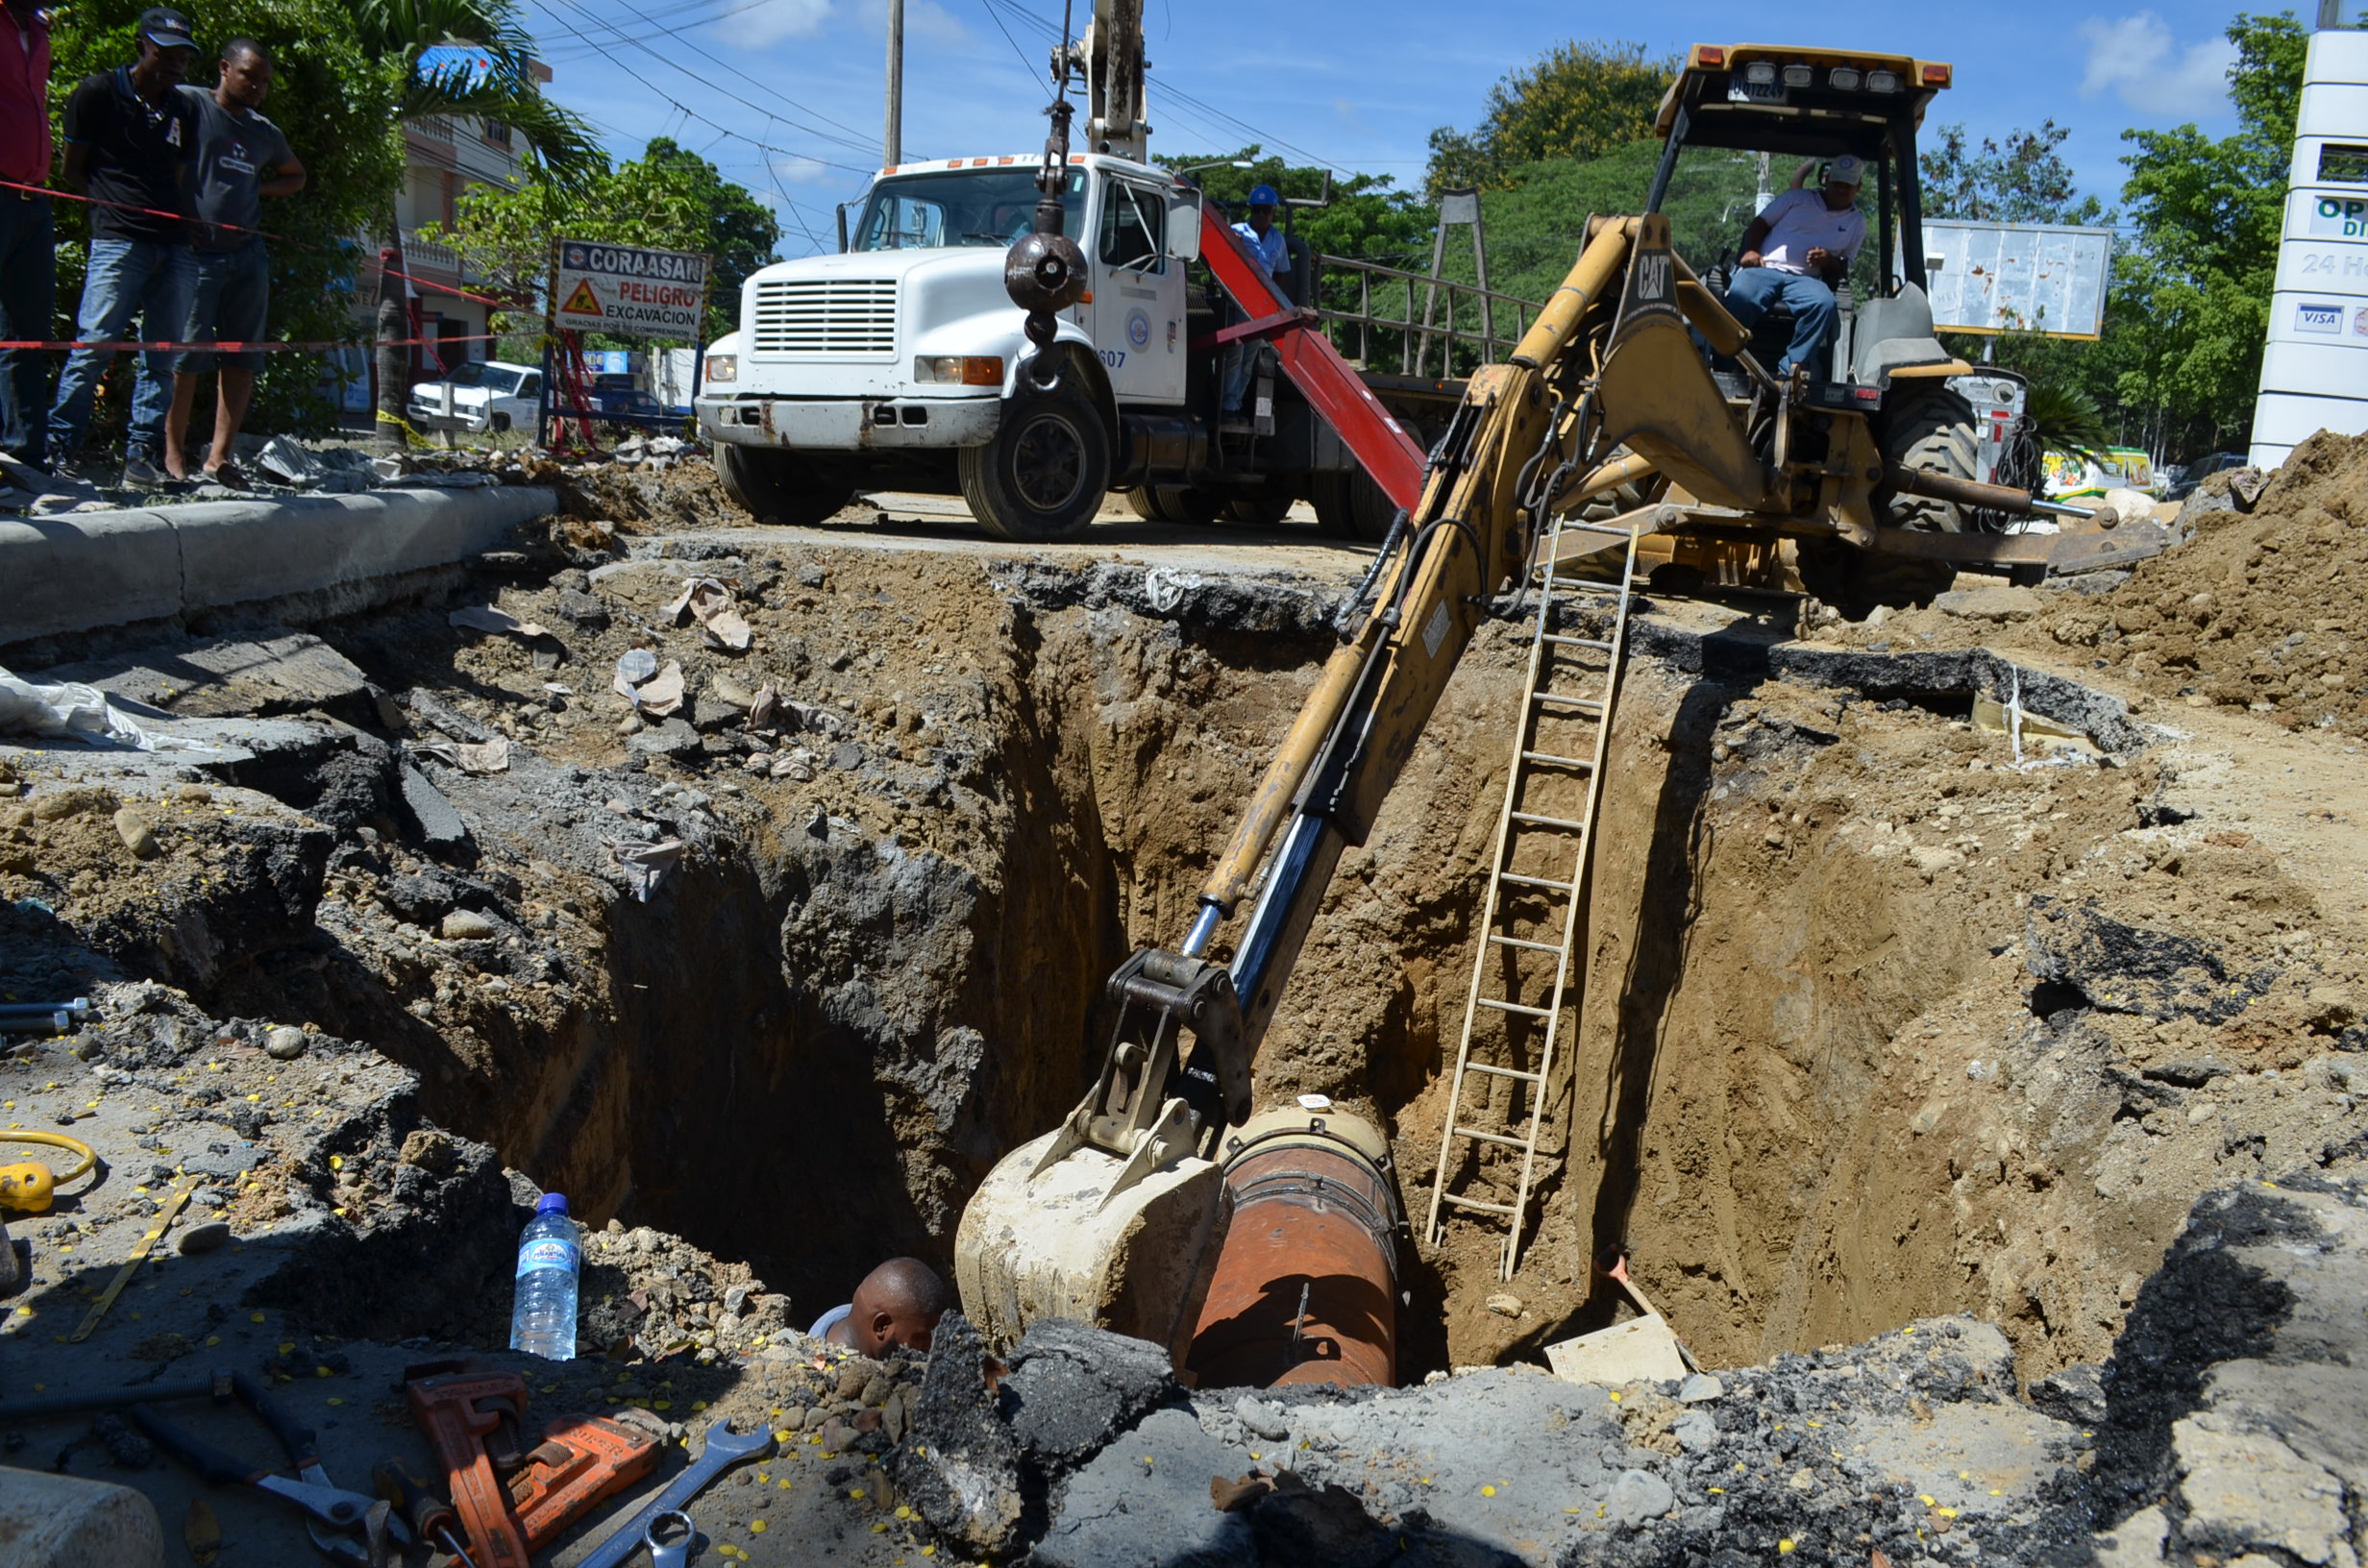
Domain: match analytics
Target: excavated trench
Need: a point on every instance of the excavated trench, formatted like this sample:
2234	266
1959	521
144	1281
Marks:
1857	1043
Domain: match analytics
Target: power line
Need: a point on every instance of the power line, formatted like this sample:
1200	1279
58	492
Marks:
578	49
620	34
1208	111
713	87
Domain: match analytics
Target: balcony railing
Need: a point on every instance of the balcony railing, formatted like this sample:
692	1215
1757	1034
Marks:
425	255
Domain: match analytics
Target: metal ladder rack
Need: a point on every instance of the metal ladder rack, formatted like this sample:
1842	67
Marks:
1544	845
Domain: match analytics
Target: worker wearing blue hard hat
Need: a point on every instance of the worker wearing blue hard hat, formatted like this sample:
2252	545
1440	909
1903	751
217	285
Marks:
1266	246
1266	241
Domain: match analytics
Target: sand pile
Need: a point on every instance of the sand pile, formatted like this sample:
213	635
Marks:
2261	610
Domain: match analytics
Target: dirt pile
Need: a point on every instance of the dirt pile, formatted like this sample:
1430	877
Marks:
651	496
2260	609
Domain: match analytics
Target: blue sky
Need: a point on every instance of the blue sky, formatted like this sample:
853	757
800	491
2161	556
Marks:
785	95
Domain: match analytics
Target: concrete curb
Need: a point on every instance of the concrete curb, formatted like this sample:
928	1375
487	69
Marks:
79	571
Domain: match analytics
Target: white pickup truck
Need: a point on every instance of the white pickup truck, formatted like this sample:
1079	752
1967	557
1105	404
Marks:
895	365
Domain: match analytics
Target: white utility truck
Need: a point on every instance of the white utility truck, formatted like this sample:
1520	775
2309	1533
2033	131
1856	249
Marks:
897	364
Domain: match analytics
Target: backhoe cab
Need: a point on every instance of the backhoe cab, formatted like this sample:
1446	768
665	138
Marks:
1867	439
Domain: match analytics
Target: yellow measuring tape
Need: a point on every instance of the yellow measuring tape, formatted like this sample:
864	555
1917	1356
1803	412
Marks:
131	1266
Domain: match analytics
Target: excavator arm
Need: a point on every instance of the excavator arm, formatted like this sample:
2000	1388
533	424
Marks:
1117	1216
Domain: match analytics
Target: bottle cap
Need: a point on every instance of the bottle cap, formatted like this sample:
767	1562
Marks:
553	1203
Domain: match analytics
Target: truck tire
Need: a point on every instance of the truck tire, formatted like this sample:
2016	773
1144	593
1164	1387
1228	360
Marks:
778	487
1928	427
1349	506
1190	505
1044	475
1261	509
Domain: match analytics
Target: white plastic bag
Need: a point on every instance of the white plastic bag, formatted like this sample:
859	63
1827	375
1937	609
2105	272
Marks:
80	712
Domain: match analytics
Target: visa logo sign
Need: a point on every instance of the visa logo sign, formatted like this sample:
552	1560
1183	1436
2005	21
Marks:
2344	217
2319	318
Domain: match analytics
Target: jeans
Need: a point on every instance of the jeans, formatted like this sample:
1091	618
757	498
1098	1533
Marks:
28	308
230	299
149	279
1756	289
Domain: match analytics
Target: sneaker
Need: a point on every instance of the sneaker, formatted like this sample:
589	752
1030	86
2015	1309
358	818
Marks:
141	473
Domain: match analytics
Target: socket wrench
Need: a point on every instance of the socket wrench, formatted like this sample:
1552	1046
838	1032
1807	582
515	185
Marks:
723	1450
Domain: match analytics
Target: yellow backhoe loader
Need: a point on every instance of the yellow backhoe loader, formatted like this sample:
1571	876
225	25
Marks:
1635	393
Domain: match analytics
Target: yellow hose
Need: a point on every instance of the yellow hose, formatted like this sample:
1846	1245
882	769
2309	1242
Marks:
30	1185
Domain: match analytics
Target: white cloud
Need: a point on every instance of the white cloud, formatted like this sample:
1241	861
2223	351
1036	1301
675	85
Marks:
923	20
772	22
1345	115
927	19
792	170
2137	57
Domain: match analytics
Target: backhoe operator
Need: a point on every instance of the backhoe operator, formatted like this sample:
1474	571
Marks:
1797	250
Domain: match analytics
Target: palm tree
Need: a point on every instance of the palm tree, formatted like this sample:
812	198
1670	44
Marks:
498	86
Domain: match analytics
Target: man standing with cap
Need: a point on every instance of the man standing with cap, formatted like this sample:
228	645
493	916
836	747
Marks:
1266	245
131	146
1797	250
28	243
241	159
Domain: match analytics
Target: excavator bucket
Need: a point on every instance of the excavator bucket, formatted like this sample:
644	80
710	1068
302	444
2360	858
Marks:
1114	1218
1091	1236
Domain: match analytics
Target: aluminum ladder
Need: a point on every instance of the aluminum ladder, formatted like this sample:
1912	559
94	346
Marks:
1564	731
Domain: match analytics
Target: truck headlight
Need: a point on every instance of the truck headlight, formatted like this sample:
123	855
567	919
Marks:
723	367
958	370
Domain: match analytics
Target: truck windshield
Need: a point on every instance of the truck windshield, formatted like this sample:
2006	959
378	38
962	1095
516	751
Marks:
974	206
477	373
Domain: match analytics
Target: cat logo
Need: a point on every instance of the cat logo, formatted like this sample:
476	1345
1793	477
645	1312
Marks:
583	301
1653	277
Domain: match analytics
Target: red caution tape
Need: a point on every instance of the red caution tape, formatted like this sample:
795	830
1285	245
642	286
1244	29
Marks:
239	229
112	346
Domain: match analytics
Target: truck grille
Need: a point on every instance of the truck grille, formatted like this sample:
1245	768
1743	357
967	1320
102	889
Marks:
826	316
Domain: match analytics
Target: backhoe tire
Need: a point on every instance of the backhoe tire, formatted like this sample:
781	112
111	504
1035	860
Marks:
1349	506
1927	427
778	487
1043	477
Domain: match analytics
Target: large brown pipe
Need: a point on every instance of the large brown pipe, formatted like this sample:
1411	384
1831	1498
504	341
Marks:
1306	1287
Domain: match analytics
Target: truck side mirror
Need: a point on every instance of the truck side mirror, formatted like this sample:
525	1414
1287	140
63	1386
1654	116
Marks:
1184	225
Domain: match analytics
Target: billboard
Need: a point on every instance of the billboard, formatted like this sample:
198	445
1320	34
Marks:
629	291
2040	278
2314	367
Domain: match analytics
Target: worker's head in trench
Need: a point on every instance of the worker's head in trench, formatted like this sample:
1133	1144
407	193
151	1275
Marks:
899	1304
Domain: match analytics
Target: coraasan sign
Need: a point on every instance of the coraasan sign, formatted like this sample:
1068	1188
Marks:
630	290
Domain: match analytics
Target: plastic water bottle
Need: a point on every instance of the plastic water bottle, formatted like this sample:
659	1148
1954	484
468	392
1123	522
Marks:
543	1321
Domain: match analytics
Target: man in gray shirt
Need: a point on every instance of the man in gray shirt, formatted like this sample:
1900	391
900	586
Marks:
241	159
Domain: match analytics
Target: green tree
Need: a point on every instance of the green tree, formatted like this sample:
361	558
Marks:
559	145
333	101
669	198
2189	309
2023	181
1364	216
1579	99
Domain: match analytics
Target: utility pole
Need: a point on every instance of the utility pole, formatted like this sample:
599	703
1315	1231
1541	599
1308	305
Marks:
892	143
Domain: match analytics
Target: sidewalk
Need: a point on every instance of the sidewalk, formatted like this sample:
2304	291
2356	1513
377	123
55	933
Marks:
78	571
